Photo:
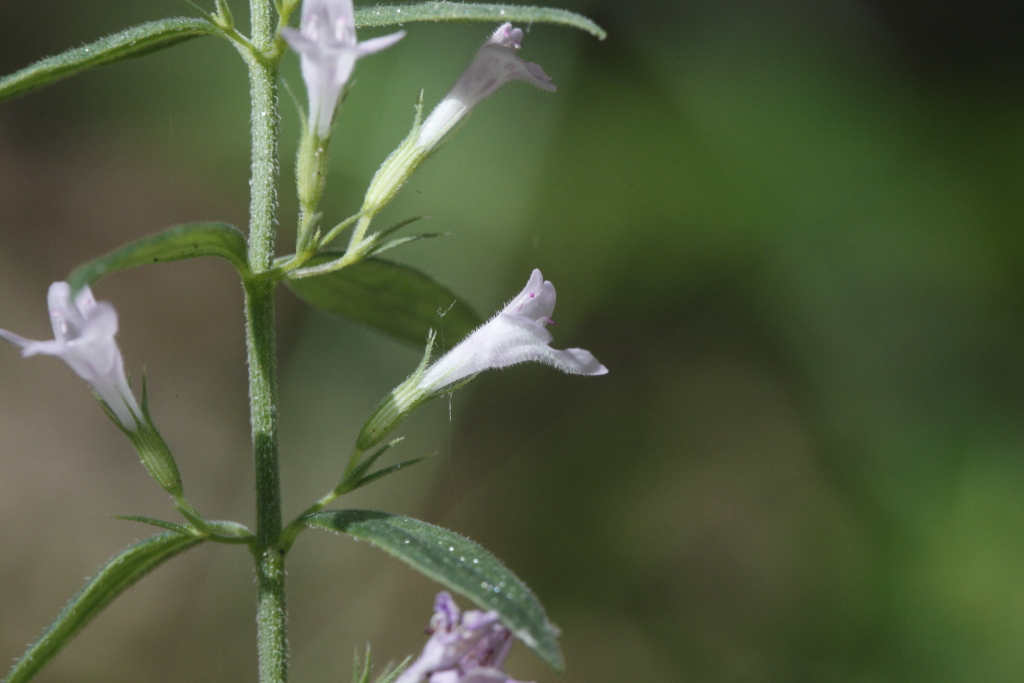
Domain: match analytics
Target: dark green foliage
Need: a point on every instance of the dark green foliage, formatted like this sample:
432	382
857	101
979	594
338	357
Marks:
388	15
174	244
389	297
456	563
131	42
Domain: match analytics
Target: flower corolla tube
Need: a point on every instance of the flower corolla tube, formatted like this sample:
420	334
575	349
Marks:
83	331
328	50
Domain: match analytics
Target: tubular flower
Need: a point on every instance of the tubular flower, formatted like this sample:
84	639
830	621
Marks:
518	333
470	647
326	43
494	65
83	333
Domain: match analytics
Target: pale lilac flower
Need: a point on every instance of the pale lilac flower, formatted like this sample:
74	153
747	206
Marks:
516	334
326	43
83	333
463	648
494	65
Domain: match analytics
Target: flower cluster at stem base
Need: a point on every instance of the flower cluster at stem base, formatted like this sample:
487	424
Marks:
464	647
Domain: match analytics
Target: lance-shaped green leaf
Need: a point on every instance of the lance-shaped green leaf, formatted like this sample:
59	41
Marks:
174	244
131	42
389	297
386	15
457	563
120	572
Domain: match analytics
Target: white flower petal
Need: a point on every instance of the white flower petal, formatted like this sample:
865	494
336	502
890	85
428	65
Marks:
369	47
517	334
536	301
20	341
494	65
100	321
84	339
484	675
327	47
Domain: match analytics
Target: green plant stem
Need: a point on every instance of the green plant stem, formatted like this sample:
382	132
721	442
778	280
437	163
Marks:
292	531
271	611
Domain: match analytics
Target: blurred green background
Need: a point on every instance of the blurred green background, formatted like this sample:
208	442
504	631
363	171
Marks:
792	232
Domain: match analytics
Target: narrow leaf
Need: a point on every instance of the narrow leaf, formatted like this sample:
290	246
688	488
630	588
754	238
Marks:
386	15
389	297
457	563
361	670
399	241
114	578
131	42
173	244
152	521
392	671
360	470
391	469
398	226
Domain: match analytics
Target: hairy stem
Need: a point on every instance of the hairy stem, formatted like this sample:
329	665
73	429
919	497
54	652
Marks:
271	612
